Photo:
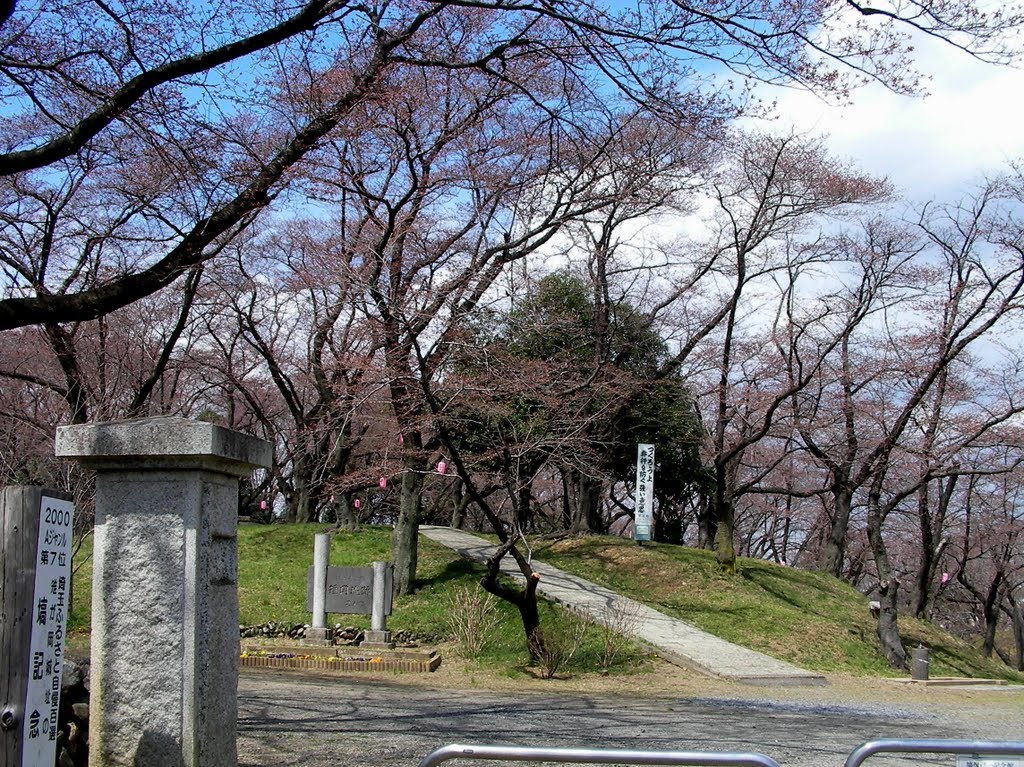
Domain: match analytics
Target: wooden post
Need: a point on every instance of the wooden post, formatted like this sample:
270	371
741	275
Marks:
20	521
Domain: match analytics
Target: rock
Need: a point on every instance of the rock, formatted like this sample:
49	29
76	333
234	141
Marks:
71	674
73	717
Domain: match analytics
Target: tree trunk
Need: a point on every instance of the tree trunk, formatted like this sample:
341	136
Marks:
301	502
459	502
888	624
63	346
707	528
566	500
990	611
530	617
930	526
834	557
725	547
888	584
787	530
669	525
524	506
347	519
725	524
1017	611
594	505
404	541
585	503
929	583
525	601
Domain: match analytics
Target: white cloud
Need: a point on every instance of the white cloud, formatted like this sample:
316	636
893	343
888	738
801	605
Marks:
970	125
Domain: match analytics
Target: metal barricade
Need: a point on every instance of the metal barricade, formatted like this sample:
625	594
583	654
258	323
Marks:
978	748
596	756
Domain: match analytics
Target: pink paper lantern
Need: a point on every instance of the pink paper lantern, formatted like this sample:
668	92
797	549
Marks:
441	467
356	503
383	482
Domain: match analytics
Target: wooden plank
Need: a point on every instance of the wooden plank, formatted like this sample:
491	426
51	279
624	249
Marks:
19	519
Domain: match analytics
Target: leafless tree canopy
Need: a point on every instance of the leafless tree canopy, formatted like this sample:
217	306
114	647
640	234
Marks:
455	259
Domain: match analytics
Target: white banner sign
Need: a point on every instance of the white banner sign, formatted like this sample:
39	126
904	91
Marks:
49	619
643	510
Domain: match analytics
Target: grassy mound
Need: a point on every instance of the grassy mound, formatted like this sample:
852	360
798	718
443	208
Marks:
808	618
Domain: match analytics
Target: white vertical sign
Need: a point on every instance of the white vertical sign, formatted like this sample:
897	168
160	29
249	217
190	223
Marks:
49	619
643	510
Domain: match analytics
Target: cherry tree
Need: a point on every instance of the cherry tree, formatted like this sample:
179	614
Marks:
288	300
898	418
988	555
766	201
181	140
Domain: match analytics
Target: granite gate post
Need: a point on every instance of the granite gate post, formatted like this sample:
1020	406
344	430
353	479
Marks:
165	593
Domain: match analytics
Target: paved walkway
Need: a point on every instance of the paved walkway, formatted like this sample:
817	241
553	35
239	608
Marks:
674	640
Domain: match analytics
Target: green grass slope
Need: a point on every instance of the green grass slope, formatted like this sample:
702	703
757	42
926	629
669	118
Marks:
272	565
807	618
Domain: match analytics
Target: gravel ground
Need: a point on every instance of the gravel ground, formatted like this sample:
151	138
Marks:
393	720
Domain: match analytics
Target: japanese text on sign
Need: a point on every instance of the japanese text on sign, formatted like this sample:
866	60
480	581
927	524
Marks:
643	519
49	618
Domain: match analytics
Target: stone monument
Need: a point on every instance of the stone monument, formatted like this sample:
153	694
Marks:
165	640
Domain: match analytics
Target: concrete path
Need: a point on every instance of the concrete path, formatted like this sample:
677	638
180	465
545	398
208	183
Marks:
674	640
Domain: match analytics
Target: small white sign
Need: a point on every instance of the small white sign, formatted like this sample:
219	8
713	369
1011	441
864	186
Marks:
49	619
983	760
643	509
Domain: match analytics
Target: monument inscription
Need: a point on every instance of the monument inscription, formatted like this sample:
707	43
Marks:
349	590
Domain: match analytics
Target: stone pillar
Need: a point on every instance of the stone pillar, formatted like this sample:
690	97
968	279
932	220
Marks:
317	634
378	637
165	588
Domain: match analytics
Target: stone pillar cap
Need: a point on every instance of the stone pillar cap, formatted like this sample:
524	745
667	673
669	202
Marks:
162	442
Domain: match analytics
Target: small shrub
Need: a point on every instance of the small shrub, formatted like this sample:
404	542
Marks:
554	647
472	617
618	627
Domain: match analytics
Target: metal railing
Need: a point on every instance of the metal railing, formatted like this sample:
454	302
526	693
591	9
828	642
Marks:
596	756
979	748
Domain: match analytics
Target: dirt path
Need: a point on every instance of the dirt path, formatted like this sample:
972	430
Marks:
395	720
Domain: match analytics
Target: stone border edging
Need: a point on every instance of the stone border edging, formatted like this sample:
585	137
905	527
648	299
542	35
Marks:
377	663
